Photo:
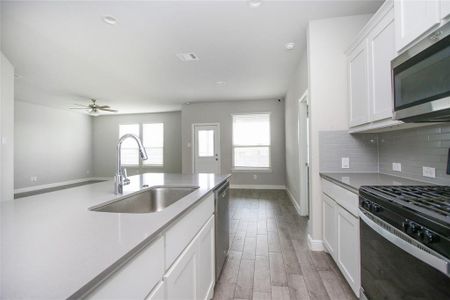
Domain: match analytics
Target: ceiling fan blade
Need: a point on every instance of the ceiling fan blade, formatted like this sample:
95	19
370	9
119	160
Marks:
103	106
78	107
107	109
80	104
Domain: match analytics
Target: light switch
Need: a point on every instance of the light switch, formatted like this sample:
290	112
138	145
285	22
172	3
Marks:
429	172
345	162
397	167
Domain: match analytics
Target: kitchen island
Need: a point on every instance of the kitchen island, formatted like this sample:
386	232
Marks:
53	246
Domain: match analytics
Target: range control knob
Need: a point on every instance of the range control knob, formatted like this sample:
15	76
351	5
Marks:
367	204
375	208
412	228
426	236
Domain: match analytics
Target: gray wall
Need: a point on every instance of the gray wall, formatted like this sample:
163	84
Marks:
298	85
52	144
415	148
105	137
220	112
361	149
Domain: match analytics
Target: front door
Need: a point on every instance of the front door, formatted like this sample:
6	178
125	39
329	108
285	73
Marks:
206	148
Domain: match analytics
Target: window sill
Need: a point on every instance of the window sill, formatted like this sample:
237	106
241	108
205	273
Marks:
252	170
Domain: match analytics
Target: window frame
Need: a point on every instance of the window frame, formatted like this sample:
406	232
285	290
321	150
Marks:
141	163
235	168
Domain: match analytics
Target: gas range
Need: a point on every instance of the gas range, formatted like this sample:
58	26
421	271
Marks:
405	242
422	212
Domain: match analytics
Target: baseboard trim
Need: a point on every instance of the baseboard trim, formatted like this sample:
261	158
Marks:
258	186
56	184
315	245
292	198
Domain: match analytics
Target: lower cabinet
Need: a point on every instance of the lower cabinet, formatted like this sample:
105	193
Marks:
341	233
192	274
348	248
177	265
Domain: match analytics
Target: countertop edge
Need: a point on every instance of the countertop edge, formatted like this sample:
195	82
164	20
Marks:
90	286
340	183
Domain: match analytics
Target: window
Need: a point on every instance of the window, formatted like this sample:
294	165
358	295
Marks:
154	143
205	143
130	149
251	141
152	139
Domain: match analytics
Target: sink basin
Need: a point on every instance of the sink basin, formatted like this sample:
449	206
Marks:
148	201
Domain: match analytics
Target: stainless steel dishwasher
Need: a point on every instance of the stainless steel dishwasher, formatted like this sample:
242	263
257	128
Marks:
222	196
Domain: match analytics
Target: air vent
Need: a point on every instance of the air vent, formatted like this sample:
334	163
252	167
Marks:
188	56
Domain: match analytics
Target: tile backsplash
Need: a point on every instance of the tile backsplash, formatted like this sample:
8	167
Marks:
412	148
360	149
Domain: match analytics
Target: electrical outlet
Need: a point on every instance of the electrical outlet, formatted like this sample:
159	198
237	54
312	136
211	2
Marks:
429	172
397	167
33	178
255	176
88	172
345	162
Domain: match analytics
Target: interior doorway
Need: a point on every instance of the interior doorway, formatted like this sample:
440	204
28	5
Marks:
304	153
206	148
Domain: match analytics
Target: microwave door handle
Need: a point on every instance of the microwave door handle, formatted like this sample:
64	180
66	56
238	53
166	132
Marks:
431	260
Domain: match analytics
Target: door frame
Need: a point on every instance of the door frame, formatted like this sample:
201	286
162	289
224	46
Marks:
305	196
193	144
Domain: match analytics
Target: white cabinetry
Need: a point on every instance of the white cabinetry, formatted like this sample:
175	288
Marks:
341	231
329	225
445	9
414	18
348	255
359	85
369	65
185	250
192	274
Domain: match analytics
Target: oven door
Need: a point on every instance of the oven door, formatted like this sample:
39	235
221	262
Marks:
421	81
394	268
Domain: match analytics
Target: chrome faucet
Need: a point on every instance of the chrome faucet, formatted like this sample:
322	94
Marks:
121	178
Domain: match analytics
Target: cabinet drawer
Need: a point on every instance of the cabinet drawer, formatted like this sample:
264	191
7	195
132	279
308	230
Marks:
343	197
137	278
182	232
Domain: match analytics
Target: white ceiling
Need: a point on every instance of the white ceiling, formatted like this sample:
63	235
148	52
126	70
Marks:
64	52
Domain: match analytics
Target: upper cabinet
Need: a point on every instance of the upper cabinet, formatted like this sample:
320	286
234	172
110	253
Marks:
414	18
369	68
445	9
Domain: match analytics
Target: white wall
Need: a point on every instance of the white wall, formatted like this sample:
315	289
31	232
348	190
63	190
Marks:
6	129
327	41
51	144
220	112
106	135
298	85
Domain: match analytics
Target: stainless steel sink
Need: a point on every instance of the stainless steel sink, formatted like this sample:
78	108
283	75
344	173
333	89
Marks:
148	201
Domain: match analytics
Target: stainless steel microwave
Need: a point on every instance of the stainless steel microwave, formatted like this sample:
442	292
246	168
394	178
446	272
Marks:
421	80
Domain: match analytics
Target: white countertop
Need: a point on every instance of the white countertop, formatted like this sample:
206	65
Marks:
52	245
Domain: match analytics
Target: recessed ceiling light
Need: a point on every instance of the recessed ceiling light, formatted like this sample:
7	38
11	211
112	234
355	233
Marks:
187	103
190	56
289	46
110	20
254	3
220	83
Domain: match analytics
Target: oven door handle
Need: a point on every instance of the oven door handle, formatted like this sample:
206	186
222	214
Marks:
430	259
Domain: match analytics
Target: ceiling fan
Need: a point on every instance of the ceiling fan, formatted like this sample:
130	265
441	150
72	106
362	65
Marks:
94	108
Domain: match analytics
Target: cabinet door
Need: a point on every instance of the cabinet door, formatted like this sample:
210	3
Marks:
348	248
329	225
382	51
359	85
192	274
205	263
445	9
158	293
413	18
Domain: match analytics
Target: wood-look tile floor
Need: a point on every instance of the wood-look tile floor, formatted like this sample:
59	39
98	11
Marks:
269	257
